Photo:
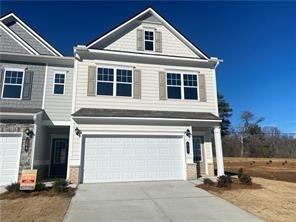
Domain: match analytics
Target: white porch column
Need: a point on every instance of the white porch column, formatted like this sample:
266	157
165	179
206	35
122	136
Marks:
219	152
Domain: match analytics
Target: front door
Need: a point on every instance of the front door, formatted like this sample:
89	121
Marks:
59	157
197	143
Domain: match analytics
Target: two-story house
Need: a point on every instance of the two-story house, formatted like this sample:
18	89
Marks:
35	103
138	103
144	106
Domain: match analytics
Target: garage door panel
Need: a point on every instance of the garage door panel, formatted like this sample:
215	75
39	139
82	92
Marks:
10	146
132	158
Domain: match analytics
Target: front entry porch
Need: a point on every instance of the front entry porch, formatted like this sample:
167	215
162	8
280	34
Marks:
51	156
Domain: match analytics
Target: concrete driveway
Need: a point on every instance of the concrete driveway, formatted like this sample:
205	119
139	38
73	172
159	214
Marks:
150	201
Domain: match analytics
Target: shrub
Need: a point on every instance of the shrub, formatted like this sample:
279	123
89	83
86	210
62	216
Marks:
208	181
39	187
270	161
240	172
14	187
224	181
245	179
60	185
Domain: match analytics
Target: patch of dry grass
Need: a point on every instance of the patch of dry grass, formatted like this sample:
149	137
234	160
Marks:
273	201
35	206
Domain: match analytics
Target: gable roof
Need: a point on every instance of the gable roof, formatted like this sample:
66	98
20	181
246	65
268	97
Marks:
15	38
11	17
143	14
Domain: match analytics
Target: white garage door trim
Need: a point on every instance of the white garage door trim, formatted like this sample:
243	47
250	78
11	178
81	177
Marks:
136	134
20	135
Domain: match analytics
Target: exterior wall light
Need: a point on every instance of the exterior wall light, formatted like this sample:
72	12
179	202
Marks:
77	131
188	133
29	133
188	147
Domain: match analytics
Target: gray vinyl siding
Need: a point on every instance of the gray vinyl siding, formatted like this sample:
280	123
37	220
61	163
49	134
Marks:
8	44
58	107
37	87
29	39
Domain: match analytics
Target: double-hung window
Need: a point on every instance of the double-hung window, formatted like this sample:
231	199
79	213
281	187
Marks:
105	79
123	82
190	86
59	83
13	84
149	40
174	85
182	86
114	81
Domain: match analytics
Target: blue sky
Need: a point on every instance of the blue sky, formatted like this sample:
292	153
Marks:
256	40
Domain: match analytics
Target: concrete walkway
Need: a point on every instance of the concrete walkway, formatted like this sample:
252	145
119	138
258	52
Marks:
150	201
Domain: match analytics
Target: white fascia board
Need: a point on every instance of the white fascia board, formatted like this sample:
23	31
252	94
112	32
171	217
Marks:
33	33
21	42
55	123
119	27
172	29
144	55
138	118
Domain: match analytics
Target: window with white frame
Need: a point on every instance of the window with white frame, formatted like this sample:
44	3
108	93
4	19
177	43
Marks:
149	40
190	86
13	84
174	85
105	79
114	81
182	86
59	83
123	82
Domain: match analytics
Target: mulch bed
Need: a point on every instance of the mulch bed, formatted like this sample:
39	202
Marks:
48	192
235	185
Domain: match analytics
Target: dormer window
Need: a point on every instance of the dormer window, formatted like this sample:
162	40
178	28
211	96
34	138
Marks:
149	40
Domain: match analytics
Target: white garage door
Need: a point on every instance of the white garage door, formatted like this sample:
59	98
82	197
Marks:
133	158
10	147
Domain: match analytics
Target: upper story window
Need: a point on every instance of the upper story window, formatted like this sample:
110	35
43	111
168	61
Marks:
149	40
123	82
114	82
174	85
182	86
190	86
13	84
59	83
105	81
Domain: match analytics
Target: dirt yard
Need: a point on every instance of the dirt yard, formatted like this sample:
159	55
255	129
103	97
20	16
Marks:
37	206
270	200
269	168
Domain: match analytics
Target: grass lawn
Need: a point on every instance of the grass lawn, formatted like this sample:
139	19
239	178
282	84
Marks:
35	206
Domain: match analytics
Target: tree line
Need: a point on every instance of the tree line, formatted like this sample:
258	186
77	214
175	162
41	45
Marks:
251	138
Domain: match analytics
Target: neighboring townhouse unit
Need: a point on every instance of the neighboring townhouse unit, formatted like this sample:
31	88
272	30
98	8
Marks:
35	103
144	106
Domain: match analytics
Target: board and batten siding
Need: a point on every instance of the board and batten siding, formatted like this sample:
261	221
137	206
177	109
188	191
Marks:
149	91
58	107
171	45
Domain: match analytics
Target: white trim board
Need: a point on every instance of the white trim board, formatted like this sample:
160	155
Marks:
21	42
34	34
163	21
